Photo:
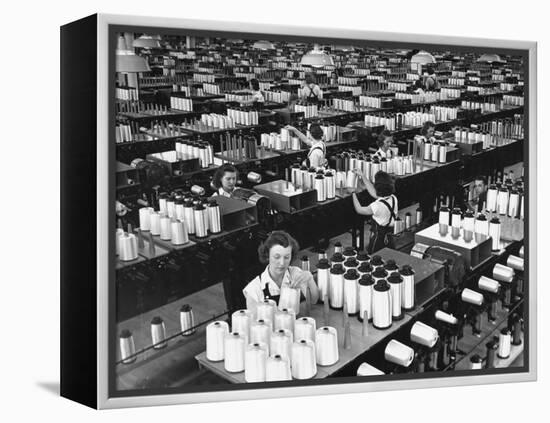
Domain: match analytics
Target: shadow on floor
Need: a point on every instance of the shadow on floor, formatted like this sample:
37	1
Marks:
51	387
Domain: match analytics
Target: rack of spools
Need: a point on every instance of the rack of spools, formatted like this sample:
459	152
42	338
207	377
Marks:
440	341
493	307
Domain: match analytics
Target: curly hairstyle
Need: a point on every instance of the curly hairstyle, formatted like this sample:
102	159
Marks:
481	178
310	78
316	131
428	124
277	238
255	84
382	137
383	184
227	167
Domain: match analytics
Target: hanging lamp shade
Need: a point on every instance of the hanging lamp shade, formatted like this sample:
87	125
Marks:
263	45
317	58
147	41
490	58
423	57
127	61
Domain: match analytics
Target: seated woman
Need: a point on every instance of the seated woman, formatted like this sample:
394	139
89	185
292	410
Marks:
225	180
257	95
418	88
384	142
277	252
428	131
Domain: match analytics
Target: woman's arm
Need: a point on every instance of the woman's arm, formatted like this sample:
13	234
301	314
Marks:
362	210
256	97
313	290
253	294
365	181
300	135
303	280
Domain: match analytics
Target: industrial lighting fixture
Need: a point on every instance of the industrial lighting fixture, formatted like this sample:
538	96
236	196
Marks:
317	58
147	41
423	58
490	58
263	45
127	61
343	48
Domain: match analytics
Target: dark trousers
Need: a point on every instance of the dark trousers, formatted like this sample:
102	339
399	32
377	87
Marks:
380	237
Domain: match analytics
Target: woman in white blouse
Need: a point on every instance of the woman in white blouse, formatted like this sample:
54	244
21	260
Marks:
384	142
383	209
255	92
277	252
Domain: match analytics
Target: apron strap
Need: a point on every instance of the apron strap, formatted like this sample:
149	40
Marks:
267	294
390	208
311	93
317	147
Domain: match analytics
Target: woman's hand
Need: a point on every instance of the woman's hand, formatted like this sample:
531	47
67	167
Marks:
360	177
358	173
300	281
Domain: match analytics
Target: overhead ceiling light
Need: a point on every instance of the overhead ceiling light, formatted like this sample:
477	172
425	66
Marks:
423	57
146	41
343	48
127	61
263	45
490	58
317	58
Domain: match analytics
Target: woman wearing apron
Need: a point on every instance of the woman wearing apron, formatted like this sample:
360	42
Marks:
431	82
383	210
317	148
310	90
277	252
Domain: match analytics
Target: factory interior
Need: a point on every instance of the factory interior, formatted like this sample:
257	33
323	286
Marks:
291	209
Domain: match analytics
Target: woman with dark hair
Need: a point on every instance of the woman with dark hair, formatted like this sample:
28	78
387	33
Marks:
310	90
428	130
257	96
418	87
383	210
384	142
277	252
334	78
317	148
431	82
225	179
